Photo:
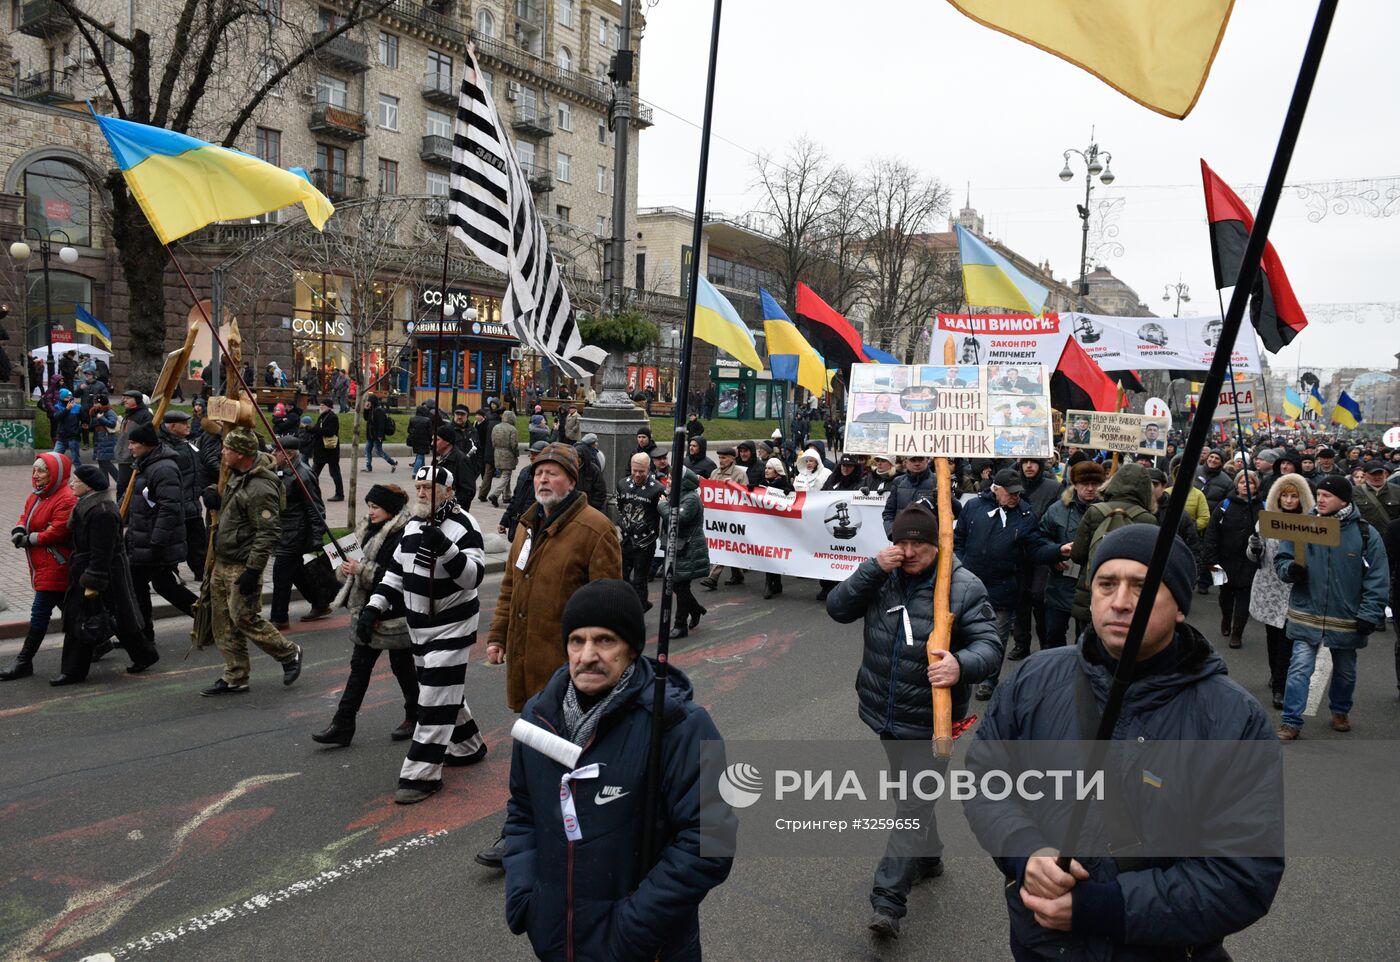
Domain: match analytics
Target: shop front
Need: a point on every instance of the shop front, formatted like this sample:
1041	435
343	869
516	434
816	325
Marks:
743	393
323	337
477	356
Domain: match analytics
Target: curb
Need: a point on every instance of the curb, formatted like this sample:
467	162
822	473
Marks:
18	629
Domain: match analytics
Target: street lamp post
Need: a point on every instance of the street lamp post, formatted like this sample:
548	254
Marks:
20	251
1094	167
1181	291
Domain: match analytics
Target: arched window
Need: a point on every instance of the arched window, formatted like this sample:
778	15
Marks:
58	196
66	291
565	59
485	23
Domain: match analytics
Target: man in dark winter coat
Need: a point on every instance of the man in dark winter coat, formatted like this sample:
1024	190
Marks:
378	426
1060	524
572	882
916	482
697	458
1128	497
451	457
419	437
155	533
748	460
325	448
303	532
997	536
1126	909
1217	485
524	494
893	592
1040	492
135	414
639	523
590	476
175	434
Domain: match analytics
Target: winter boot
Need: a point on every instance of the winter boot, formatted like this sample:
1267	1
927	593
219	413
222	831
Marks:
23	665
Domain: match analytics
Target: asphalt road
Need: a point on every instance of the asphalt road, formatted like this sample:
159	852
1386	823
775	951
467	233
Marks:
144	821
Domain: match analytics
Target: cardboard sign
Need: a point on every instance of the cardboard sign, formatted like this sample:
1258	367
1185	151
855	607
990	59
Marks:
350	545
1129	433
1303	528
949	410
1240	392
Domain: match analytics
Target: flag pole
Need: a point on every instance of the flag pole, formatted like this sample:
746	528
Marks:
1239	427
651	799
1210	396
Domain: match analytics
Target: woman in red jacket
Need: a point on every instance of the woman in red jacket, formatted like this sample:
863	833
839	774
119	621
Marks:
43	534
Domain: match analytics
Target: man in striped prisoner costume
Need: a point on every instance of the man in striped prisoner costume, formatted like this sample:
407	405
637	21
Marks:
433	578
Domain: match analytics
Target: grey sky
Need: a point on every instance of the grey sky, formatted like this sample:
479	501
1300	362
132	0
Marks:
917	80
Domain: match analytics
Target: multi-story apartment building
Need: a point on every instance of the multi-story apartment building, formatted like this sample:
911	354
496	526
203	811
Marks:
369	114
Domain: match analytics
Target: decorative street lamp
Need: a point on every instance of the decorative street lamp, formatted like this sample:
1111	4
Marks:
1182	292
20	251
1094	168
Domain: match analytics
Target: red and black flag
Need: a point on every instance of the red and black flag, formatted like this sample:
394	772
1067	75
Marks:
1273	308
1079	384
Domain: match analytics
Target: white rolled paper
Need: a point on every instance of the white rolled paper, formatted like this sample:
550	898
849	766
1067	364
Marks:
547	743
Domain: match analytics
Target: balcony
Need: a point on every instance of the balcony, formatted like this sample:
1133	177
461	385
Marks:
641	114
435	210
436	150
45	87
341	53
529	13
338	123
43	19
540	178
338	185
532	121
438	89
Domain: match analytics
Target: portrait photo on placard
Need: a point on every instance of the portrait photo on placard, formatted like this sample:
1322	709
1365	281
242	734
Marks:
1020	442
937	375
1079	431
882	407
1024	410
1014	379
1154	436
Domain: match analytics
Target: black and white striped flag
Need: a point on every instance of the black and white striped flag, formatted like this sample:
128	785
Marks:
491	210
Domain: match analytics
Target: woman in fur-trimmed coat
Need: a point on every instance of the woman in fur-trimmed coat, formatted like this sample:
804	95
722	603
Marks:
378	534
1268	596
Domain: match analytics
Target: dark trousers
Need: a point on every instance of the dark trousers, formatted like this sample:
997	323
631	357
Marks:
124	471
1030	607
332	461
111	471
686	602
909	852
163	579
77	650
288	571
196	545
1056	628
1280	651
1234	602
636	570
363	658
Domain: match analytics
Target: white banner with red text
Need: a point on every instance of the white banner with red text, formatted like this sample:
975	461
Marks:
809	534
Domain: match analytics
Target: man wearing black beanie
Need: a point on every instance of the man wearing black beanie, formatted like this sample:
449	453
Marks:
601	701
1179	691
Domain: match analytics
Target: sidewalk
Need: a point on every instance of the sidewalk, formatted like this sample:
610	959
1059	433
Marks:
16	592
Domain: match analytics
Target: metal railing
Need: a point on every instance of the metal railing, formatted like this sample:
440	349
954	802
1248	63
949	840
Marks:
46	85
530	11
534	120
436	148
350	53
337	184
338	121
43	18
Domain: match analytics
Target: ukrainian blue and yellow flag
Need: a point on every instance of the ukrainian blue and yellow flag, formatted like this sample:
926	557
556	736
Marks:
990	280
718	323
183	184
1292	403
1346	412
790	357
1315	401
91	326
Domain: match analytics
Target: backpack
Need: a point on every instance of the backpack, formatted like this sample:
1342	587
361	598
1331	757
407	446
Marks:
1118	518
389	425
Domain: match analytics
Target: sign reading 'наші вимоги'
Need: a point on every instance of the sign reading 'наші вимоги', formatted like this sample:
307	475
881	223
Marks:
948	411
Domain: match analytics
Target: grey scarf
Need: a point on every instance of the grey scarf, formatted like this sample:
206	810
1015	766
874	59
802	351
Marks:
579	724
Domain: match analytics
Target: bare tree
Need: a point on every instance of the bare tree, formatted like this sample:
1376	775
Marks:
841	275
898	207
795	201
198	75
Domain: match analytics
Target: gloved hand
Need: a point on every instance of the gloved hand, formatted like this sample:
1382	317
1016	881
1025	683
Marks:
249	581
364	624
1256	547
1296	574
435	541
19	537
211	498
1364	628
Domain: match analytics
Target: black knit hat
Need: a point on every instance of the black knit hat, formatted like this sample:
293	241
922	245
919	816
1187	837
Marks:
918	522
144	434
390	501
608	603
92	476
447	433
1135	543
1337	485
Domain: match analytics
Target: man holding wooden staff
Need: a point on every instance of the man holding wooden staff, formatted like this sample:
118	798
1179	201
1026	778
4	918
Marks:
894	593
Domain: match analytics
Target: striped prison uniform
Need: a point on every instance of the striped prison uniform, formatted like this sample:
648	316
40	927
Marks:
441	640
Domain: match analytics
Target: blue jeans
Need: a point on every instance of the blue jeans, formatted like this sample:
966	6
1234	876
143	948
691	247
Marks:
1006	619
70	448
1300	669
370	448
41	609
418	461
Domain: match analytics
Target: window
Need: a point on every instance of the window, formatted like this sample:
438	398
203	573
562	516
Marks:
439	74
726	273
388	112
602	132
389	49
490	80
600	70
485	24
57	196
438	184
267	68
439	124
268	145
330	169
566	12
566	116
388	176
525	152
65	291
331	90
600	226
109	51
273	8
328	19
602	179
603	30
563	166
564	58
529	102
561	213
641	270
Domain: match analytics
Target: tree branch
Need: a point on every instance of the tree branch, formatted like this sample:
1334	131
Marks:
101	62
175	61
78	16
204	69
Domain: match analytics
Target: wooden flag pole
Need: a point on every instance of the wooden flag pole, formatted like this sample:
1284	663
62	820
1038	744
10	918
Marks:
940	640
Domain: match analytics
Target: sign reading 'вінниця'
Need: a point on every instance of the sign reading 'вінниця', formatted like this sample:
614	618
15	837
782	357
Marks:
1306	528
